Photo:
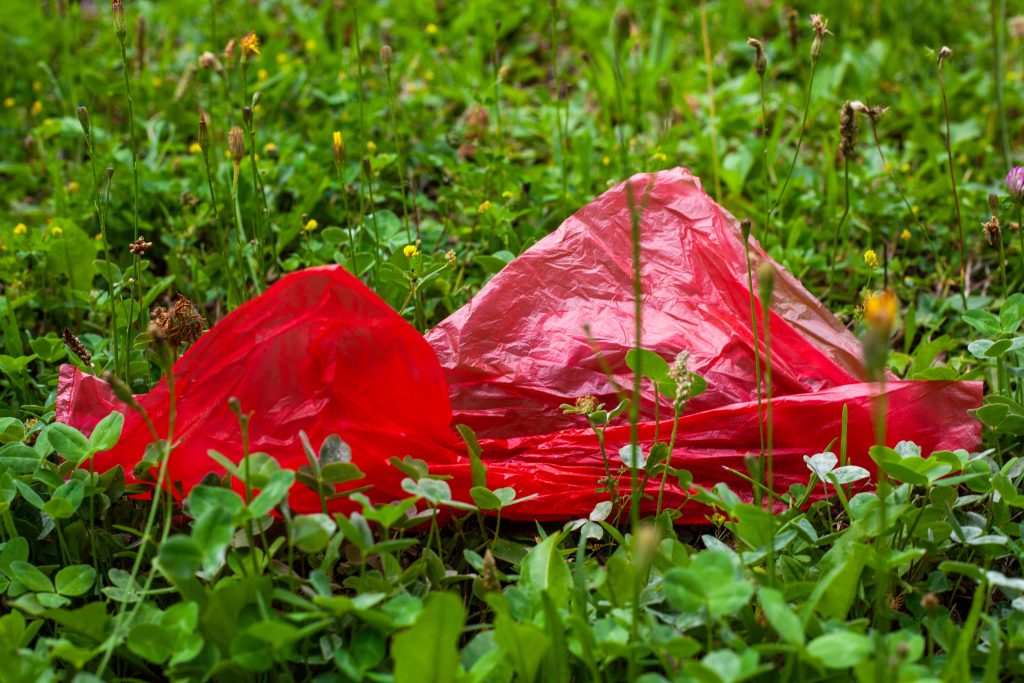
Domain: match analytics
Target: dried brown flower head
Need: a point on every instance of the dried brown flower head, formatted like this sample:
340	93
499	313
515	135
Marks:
236	144
760	61
139	247
820	26
182	323
848	130
993	232
77	347
208	60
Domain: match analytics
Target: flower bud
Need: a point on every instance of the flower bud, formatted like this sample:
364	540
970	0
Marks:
338	148
236	143
83	118
766	281
120	24
204	134
247	116
745	227
387	57
760	62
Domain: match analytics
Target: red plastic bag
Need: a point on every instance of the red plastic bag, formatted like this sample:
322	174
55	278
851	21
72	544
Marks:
320	352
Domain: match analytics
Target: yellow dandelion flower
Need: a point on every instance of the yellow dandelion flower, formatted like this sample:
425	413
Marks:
37	108
410	250
871	258
98	237
431	29
905	235
195	148
263	74
250	45
915	210
371	147
607	160
310	45
880	311
156	81
484	207
281	58
73	187
311	225
9	102
37	86
56	231
20	229
508	195
904	168
660	157
270	149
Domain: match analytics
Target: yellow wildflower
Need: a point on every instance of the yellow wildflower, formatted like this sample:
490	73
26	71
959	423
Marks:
20	229
37	108
310	45
607	160
56	231
250	45
508	195
311	225
660	157
905	235
371	147
871	258
156	81
195	148
9	102
485	205
262	74
282	57
428	75
410	250
270	149
880	311
73	187
904	167
36	86
431	29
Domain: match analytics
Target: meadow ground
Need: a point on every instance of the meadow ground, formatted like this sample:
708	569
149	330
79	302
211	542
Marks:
208	147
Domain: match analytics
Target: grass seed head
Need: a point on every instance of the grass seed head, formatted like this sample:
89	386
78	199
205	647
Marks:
760	61
77	347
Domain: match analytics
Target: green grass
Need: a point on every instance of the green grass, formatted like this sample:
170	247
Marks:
495	122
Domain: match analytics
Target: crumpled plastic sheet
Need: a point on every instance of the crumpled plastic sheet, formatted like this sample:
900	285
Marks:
320	352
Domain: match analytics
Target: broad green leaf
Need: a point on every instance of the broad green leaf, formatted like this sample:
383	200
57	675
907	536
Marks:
840	650
68	441
30	577
428	651
106	432
544	570
713	581
781	616
75	580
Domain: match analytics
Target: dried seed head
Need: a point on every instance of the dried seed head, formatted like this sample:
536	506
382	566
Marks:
229	50
489	573
338	148
120	24
993	232
208	60
204	133
139	247
760	61
746	225
944	54
83	118
793	26
387	56
236	144
449	257
586	405
182	323
820	26
110	173
848	130
622	25
77	347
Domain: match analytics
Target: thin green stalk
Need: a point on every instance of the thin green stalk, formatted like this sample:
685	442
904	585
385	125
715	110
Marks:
1020	230
135	201
399	154
219	229
101	219
562	132
120	626
706	40
842	220
998	45
767	284
796	153
758	380
671	448
368	174
944	53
